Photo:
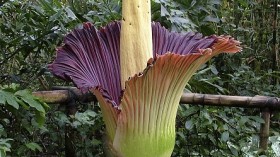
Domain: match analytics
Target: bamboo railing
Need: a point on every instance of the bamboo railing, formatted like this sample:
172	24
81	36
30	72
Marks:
64	95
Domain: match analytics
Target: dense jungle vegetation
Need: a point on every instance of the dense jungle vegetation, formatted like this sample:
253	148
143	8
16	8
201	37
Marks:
30	31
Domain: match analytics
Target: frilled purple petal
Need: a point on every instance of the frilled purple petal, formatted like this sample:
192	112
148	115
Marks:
165	41
90	58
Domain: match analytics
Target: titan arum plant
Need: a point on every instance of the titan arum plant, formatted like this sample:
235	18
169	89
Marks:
137	70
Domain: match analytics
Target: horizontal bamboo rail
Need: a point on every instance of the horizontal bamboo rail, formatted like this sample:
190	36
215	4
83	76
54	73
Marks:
61	96
231	101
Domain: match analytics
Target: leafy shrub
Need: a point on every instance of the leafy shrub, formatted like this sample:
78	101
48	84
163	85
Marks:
22	117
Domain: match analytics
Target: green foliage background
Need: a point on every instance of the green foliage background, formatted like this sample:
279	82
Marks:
31	30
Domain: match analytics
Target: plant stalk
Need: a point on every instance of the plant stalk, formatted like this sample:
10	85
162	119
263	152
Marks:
136	38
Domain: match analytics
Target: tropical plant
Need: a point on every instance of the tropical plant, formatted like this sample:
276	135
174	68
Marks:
23	60
23	114
31	30
141	121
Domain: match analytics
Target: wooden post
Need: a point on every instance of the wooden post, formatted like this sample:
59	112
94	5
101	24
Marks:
264	130
69	131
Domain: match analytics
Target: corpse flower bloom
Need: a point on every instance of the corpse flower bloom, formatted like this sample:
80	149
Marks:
140	114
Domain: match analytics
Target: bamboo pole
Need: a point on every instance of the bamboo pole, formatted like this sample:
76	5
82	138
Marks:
60	96
264	130
63	95
231	101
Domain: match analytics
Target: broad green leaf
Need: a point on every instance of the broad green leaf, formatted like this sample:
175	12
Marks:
5	142
212	139
23	104
2	153
9	98
257	119
233	148
4	146
190	111
217	2
47	6
243	120
214	70
212	19
34	146
164	11
193	3
27	97
96	142
70	13
181	134
225	136
275	144
40	118
189	124
56	15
